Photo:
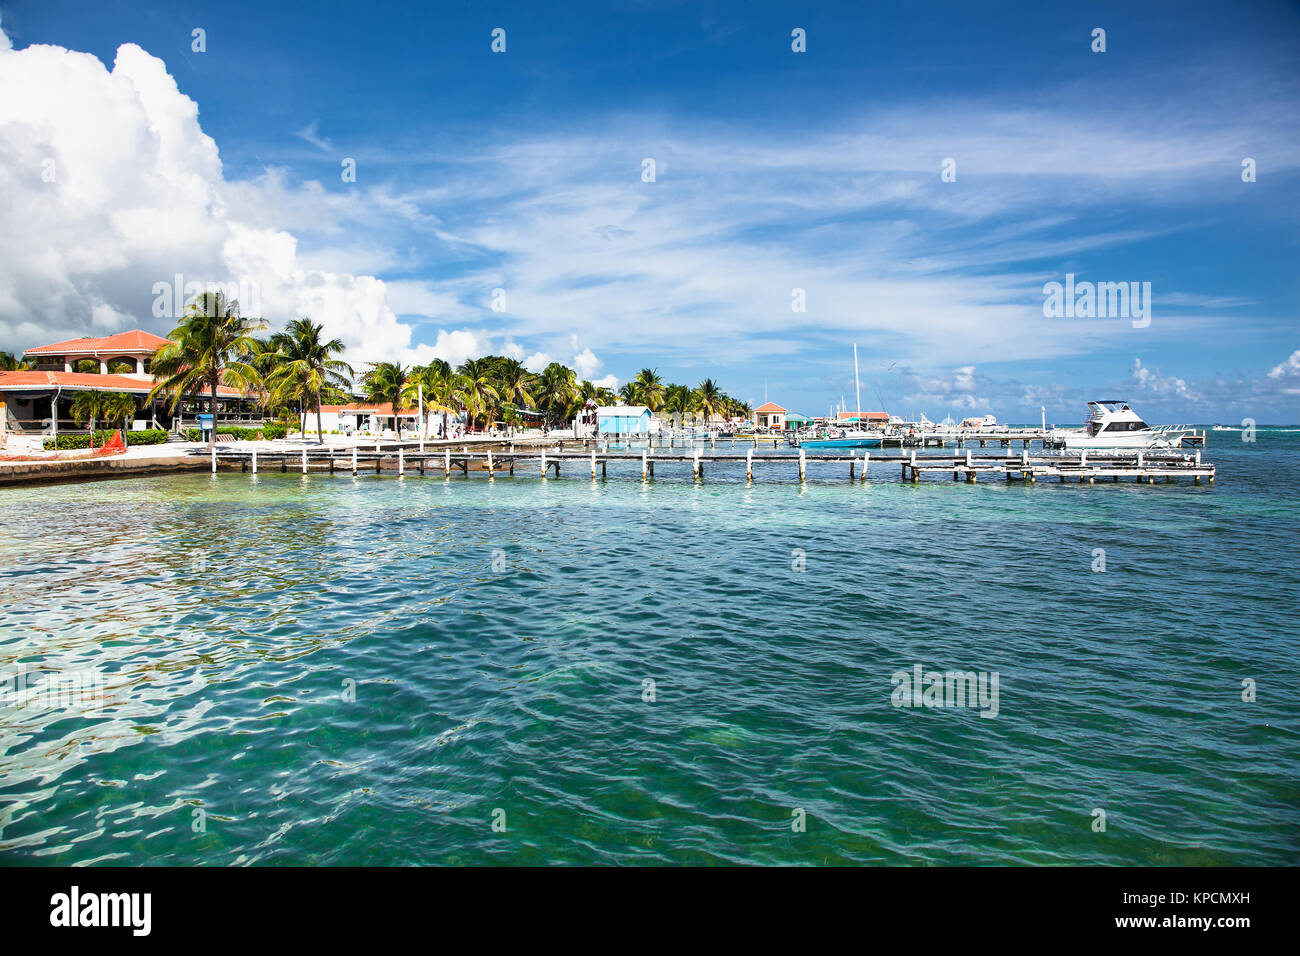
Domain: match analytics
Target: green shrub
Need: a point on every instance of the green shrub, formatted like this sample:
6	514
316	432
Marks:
152	436
269	431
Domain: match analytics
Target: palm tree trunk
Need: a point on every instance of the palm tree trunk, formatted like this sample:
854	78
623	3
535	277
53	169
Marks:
320	439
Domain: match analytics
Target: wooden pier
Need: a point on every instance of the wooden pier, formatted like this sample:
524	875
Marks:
502	459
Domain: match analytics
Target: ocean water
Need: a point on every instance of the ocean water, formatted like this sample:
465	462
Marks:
336	671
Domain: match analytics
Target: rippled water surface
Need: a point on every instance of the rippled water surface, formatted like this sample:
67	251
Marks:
329	670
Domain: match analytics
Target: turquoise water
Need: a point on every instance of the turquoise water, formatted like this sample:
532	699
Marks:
329	670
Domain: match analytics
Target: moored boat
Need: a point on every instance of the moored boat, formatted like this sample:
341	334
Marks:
845	439
1113	424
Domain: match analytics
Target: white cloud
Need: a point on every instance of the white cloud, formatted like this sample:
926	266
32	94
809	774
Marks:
453	347
311	134
109	185
704	260
952	392
1152	382
696	268
586	364
1287	374
609	381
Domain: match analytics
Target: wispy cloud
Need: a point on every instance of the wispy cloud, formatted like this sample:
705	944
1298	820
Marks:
311	133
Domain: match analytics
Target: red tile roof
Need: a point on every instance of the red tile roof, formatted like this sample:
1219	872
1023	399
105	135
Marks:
28	381
137	340
769	407
378	408
867	416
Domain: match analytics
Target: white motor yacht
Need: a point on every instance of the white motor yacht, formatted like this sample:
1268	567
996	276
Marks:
1114	424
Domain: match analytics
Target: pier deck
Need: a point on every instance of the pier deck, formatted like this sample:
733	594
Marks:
1083	467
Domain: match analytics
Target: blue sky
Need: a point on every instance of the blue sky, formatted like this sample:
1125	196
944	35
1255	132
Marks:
775	170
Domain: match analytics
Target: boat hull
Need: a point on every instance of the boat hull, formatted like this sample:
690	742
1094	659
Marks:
841	443
1133	441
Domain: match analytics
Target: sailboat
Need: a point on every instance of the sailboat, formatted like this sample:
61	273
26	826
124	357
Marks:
857	437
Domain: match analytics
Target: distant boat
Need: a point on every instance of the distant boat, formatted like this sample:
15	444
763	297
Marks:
844	438
1113	424
854	439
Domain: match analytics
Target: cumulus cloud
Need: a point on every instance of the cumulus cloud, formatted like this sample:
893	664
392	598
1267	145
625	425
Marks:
697	267
1152	382
108	186
537	361
1287	374
954	391
586	364
452	347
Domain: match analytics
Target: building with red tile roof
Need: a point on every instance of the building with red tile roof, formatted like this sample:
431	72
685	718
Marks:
770	415
30	397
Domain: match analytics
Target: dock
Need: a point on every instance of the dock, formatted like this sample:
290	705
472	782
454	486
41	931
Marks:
995	438
594	461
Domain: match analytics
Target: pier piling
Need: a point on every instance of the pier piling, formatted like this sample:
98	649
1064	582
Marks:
1149	466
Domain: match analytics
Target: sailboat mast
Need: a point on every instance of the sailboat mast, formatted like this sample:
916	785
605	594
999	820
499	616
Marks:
857	383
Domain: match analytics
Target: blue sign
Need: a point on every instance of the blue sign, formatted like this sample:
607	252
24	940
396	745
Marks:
205	422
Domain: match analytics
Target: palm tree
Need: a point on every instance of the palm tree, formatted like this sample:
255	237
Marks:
556	389
709	400
515	383
649	388
87	406
474	392
212	346
438	381
11	363
677	402
304	366
118	408
265	359
388	382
